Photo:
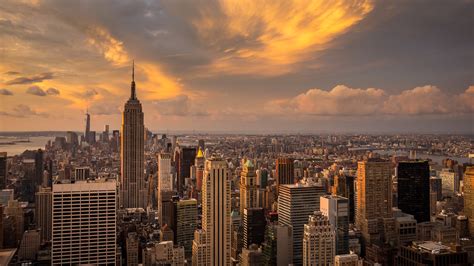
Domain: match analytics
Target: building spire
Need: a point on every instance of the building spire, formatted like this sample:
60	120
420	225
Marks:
133	94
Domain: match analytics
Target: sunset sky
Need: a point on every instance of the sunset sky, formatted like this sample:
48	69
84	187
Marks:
239	65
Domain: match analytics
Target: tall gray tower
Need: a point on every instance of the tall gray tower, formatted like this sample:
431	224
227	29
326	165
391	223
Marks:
133	192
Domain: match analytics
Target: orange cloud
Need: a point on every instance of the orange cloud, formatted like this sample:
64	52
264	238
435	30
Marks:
267	37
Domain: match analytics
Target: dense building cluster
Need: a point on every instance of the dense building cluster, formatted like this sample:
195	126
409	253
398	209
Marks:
133	197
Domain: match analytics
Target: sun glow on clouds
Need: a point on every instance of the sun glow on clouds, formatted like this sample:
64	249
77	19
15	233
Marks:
269	36
157	85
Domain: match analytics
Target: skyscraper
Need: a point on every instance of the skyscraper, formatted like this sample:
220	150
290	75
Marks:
44	212
187	155
318	241
285	171
254	226
337	210
3	170
185	223
414	189
374	197
295	203
84	223
248	187
133	190
469	197
216	220
87	132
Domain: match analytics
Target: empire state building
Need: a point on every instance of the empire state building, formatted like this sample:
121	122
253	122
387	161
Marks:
133	190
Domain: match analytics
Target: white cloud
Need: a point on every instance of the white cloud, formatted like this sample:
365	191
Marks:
345	101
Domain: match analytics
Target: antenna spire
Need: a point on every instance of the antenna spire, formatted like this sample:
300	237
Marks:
133	94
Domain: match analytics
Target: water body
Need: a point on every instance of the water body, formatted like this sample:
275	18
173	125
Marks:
19	147
435	158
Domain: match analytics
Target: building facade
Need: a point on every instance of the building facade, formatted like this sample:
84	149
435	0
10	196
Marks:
84	223
133	190
318	241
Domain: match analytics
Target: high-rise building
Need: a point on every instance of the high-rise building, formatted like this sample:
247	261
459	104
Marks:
3	170
165	188
248	187
346	260
187	155
336	208
84	222
430	253
44	212
414	189
253	226
133	190
295	203
30	245
285	171
199	164
16	213
185	224
132	245
163	253
201	248
251	256
374	197
468	180
344	187
216	210
87	132
82	173
449	181
278	246
318	241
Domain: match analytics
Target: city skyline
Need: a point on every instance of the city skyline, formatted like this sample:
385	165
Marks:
210	67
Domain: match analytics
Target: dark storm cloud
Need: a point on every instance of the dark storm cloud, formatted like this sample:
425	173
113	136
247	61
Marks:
6	92
31	79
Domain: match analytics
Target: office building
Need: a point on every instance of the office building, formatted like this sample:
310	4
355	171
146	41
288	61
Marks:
318	241
184	159
248	187
30	245
278	245
201	248
15	212
468	180
285	171
163	253
199	164
344	187
430	253
3	170
253	226
295	203
6	195
84	222
87	132
346	260
185	223
449	181
336	209
374	198
82	173
43	212
414	189
405	227
133	190
216	211
251	256
132	245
